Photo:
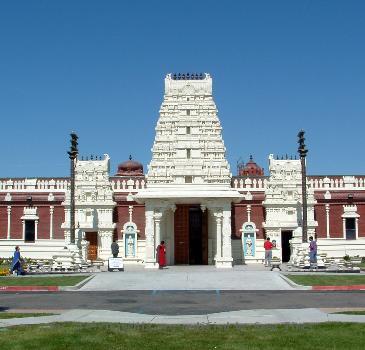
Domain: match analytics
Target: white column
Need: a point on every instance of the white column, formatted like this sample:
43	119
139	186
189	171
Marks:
67	237
249	212
23	223
327	220
36	230
226	233
105	239
357	228
150	261
51	209
157	218
9	221
218	218
84	249
344	227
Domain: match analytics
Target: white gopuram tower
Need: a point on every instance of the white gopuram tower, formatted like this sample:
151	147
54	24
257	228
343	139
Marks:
94	206
188	166
283	202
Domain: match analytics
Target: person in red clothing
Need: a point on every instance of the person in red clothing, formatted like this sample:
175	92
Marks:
268	251
161	255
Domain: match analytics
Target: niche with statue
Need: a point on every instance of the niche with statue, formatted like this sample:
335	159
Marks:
249	240
130	240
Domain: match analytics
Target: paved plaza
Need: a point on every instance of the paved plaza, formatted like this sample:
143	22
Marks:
241	277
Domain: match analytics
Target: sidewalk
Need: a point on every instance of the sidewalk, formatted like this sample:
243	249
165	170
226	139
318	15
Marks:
241	277
260	316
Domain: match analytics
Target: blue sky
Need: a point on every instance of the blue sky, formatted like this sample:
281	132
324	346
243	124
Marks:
97	67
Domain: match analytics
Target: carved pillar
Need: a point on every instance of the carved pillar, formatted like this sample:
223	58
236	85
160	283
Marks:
157	218
327	220
150	261
23	224
51	209
249	212
223	258
226	232
67	237
9	221
84	249
218	218
36	230
105	242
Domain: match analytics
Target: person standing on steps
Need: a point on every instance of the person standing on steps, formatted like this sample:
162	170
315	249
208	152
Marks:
268	251
161	255
115	249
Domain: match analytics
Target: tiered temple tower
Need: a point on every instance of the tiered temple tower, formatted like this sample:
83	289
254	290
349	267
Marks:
188	147
189	196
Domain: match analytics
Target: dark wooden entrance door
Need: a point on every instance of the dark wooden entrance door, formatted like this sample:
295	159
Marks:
92	237
286	236
181	229
191	235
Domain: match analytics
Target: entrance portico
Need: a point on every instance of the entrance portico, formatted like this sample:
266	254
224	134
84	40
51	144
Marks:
195	225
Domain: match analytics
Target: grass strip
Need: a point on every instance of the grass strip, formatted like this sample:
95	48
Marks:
328	280
7	315
350	313
95	336
41	281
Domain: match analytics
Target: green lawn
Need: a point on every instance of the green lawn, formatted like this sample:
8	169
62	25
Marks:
351	312
119	336
330	280
6	315
41	281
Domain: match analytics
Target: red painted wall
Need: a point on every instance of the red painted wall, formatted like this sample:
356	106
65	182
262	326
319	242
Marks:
361	212
336	222
239	216
320	216
58	219
43	222
3	222
16	231
121	216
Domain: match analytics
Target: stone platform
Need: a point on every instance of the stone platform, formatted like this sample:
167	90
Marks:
242	277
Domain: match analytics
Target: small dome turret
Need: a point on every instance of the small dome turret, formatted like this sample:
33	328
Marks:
251	168
130	168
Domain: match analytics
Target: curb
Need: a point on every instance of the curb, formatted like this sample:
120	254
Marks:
78	285
29	288
293	284
45	288
339	288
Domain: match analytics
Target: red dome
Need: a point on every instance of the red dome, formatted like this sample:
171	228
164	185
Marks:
130	167
251	168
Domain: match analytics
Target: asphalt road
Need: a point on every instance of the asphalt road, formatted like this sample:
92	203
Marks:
181	302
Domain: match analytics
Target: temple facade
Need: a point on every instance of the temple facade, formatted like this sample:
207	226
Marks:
188	198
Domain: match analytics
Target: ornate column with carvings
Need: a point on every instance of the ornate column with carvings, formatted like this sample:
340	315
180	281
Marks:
9	221
226	233
84	249
105	240
157	217
67	238
327	220
249	212
51	210
35	230
218	218
150	261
